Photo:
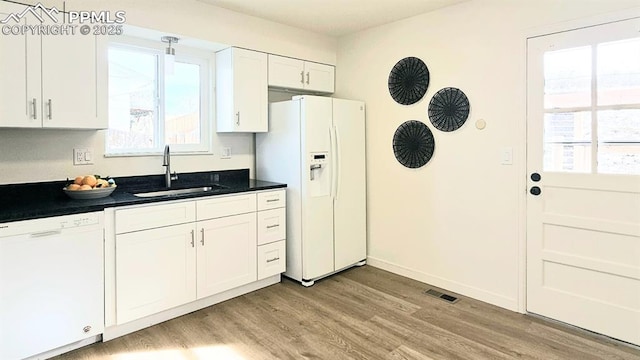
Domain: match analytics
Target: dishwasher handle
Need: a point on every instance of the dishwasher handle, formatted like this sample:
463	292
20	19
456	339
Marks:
45	233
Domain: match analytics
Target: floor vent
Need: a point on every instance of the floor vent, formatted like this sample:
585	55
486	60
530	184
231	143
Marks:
446	297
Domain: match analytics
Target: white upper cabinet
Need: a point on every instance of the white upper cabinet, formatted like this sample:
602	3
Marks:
72	68
51	81
290	73
20	98
241	91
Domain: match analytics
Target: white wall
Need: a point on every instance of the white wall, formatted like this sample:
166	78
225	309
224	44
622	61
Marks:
457	222
28	155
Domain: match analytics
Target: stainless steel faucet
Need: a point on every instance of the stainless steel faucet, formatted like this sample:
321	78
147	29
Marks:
168	176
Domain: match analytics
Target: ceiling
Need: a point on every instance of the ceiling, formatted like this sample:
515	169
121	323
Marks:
332	17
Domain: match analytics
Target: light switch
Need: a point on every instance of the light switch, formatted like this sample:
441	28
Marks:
225	153
507	156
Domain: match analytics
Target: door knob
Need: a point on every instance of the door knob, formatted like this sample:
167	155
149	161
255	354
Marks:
535	177
535	191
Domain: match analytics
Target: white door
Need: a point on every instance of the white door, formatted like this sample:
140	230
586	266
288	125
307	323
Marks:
69	80
227	253
19	73
155	271
350	214
250	90
583	160
319	77
317	191
286	72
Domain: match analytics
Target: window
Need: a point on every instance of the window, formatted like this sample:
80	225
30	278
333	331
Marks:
151	106
592	108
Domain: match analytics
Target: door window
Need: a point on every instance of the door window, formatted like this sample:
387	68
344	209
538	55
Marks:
592	108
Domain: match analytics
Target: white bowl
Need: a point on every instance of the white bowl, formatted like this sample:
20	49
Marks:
89	194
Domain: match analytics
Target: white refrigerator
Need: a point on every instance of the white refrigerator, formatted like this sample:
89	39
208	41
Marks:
316	145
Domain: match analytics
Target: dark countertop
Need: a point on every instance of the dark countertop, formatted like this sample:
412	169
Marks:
39	200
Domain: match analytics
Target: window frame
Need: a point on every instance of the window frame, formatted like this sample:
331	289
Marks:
206	61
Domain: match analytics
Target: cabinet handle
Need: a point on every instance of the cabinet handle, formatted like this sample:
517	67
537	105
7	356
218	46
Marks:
202	241
302	77
35	110
307	78
272	200
238	118
193	238
272	260
50	109
86	329
273	226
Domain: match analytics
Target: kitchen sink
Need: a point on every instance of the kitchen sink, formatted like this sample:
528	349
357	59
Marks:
177	192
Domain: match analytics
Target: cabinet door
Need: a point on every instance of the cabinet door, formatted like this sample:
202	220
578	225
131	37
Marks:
20	104
155	271
241	91
69	82
286	72
319	77
226	253
250	90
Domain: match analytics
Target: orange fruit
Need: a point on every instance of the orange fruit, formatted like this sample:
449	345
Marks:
78	180
73	187
85	187
89	180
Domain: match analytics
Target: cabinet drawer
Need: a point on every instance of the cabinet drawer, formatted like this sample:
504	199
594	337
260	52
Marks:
272	225
226	206
154	216
271	200
271	259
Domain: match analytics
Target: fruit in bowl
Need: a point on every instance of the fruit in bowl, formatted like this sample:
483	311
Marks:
89	187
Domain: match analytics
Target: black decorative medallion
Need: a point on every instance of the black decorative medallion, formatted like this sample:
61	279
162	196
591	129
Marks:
408	80
448	109
413	144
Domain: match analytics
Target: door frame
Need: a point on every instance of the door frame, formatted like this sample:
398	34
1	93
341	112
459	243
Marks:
544	30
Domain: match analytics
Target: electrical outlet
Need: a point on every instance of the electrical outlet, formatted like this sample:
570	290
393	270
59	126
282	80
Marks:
225	153
82	156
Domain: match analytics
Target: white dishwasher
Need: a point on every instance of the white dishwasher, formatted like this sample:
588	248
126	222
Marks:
51	283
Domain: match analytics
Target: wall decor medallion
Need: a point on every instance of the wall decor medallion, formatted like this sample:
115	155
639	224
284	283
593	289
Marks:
408	80
448	109
413	144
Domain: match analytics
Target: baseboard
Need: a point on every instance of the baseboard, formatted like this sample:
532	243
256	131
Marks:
116	331
454	286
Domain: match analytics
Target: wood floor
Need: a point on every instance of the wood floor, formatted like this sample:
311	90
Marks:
362	313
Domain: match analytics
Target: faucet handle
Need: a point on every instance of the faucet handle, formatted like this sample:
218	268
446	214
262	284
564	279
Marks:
174	176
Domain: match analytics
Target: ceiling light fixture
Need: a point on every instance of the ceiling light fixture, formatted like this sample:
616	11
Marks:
169	54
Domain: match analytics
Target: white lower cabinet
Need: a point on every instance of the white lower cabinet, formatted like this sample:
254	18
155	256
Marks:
226	253
155	270
272	225
172	254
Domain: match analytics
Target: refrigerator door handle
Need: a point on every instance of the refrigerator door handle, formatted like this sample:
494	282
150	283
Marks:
336	157
334	162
